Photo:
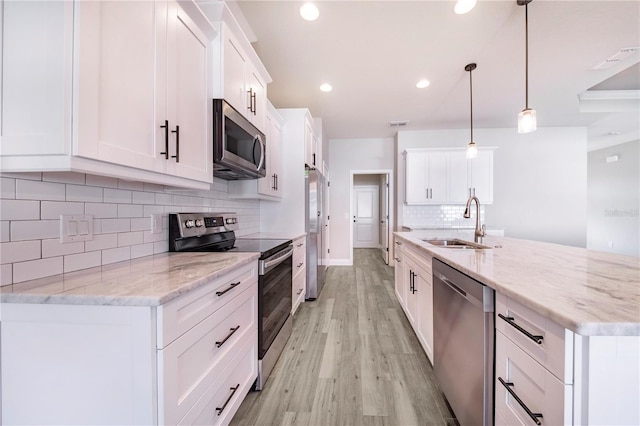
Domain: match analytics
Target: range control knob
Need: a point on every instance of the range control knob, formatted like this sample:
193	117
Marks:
189	223
199	223
230	221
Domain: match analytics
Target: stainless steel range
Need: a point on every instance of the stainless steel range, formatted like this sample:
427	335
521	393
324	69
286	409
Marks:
216	232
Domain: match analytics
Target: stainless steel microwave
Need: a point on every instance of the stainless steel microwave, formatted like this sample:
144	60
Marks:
239	148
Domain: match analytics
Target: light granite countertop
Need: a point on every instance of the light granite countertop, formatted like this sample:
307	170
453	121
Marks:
586	291
148	281
275	235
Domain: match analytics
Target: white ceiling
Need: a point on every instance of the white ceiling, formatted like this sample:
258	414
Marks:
374	52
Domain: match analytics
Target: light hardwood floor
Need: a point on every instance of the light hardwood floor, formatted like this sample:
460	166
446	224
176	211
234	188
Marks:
352	359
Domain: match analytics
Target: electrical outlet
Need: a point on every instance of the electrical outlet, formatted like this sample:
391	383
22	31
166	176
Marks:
156	223
76	228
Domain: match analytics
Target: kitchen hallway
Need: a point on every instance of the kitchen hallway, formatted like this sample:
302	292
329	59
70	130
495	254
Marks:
352	359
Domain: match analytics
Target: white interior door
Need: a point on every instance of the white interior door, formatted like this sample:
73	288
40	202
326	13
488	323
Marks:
365	217
384	218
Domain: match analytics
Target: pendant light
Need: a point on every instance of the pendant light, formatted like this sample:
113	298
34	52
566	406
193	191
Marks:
472	149
527	117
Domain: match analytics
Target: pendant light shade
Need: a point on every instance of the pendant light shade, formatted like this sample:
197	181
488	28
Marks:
472	148
527	118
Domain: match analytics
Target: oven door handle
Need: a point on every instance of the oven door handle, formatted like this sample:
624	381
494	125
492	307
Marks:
275	260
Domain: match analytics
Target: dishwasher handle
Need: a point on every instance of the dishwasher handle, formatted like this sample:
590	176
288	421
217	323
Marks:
457	289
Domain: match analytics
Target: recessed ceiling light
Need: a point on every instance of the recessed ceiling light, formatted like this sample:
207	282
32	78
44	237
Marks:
422	84
326	87
309	11
464	6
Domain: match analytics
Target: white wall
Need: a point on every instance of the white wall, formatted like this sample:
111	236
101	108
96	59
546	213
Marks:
31	205
613	194
346	155
540	179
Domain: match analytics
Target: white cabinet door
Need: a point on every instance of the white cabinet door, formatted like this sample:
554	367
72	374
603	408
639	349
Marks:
36	77
121	68
310	142
481	176
256	99
400	274
424	288
234	73
412	297
438	169
190	147
416	184
459	177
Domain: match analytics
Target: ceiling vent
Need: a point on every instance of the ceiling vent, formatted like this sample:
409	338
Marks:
398	123
620	55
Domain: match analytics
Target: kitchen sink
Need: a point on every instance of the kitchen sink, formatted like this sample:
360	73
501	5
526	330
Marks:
456	244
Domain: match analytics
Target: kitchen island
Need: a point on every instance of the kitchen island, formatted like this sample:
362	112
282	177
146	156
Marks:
584	304
165	339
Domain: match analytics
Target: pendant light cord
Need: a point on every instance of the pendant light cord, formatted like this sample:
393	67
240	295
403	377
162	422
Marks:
526	55
471	102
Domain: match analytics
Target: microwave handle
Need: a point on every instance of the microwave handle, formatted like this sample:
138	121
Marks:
259	139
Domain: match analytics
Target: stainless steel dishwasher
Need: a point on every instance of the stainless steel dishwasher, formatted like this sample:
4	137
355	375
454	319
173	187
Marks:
463	343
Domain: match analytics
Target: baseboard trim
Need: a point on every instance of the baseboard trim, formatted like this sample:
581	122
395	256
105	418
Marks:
340	262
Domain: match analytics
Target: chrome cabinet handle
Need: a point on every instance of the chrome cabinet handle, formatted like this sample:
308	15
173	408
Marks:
300	264
166	139
177	132
299	245
222	342
511	321
534	416
221	409
299	291
231	287
398	243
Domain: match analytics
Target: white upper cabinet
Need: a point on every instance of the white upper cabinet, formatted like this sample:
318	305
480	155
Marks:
445	176
426	177
239	76
128	68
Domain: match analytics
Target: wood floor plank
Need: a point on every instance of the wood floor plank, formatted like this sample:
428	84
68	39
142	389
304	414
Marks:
352	359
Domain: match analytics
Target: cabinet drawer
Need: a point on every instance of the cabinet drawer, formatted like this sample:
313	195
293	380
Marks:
555	350
222	398
299	254
182	314
193	362
299	288
539	390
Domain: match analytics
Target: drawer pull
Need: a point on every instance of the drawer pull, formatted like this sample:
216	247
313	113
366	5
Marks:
221	409
300	245
534	416
231	287
398	243
233	330
300	264
299	291
511	322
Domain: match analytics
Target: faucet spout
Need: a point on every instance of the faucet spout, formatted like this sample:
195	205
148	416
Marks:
480	230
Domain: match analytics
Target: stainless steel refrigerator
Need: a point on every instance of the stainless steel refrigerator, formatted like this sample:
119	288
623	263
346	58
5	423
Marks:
314	224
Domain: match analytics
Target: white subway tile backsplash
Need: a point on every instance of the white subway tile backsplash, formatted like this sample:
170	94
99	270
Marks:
23	230
160	247
148	237
54	247
143	197
75	262
101	242
20	210
6	274
141	250
130	210
164	199
38	190
7	188
84	193
130	184
152	187
103	181
141	224
64	177
101	210
53	209
116	255
19	251
4	231
149	210
115	225
130	238
117	196
35	269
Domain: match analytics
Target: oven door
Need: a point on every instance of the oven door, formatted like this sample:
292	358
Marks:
274	296
239	148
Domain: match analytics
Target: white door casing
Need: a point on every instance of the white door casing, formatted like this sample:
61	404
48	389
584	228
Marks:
384	218
365	217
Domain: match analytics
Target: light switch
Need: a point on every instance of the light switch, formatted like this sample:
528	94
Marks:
76	228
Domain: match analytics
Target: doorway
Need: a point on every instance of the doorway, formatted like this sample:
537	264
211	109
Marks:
370	211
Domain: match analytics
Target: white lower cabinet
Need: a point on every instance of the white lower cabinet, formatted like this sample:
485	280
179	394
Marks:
299	272
190	361
414	289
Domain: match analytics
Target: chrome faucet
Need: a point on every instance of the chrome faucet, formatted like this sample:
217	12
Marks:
480	231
